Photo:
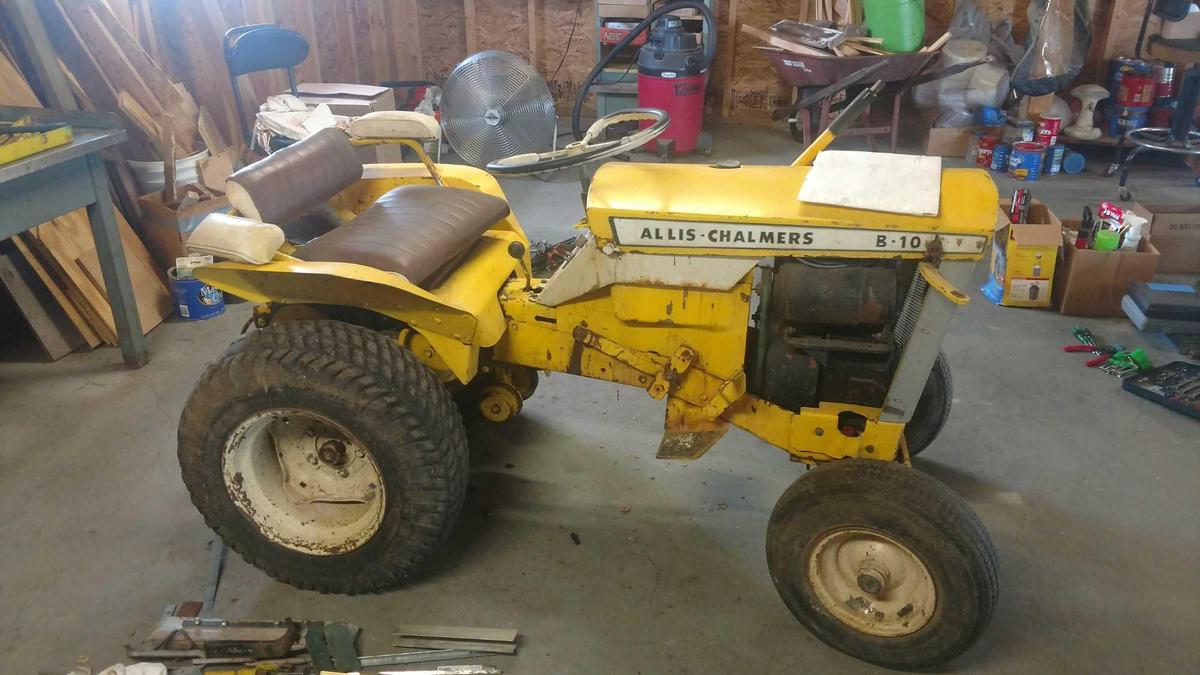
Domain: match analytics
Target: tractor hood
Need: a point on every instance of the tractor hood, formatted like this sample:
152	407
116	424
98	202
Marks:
753	211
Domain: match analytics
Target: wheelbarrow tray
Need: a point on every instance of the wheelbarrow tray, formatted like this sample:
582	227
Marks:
803	70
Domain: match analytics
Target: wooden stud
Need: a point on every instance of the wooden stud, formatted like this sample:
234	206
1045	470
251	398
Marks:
469	13
730	55
534	47
405	38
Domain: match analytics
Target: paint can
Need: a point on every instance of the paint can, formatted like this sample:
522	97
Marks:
1025	160
1054	159
1048	127
1000	157
1137	90
1073	163
1164	73
985	145
1160	115
1119	66
1124	118
195	299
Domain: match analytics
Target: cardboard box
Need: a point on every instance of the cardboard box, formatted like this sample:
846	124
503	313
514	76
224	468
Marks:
953	141
1024	256
1092	283
354	100
165	230
1176	232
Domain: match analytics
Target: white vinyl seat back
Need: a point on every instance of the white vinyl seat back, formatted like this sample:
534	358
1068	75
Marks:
397	125
238	239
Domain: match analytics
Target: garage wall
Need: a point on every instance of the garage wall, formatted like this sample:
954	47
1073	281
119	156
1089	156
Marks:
376	40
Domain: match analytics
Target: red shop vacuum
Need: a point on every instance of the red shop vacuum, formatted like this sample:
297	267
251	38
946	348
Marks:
672	75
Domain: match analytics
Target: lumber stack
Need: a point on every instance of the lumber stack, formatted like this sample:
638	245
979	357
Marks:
111	71
63	254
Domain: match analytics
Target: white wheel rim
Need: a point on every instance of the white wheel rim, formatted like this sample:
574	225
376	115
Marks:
871	582
304	481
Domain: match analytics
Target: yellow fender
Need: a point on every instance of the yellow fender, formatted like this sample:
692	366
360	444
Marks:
457	317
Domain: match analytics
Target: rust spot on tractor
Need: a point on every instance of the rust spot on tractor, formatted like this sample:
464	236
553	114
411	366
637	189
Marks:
670	306
858	604
905	611
575	363
549	356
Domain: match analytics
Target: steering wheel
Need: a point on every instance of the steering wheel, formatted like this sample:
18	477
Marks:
586	150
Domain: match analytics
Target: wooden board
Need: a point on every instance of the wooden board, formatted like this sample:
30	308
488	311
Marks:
48	323
52	285
65	244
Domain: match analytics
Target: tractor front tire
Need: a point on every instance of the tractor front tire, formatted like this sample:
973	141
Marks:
933	409
883	563
326	455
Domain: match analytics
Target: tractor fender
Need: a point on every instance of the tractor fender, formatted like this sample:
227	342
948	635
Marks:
456	328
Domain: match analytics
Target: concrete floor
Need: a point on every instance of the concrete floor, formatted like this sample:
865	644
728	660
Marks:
1091	496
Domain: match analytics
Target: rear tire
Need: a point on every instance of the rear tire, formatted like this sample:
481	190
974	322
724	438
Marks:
397	419
883	563
933	409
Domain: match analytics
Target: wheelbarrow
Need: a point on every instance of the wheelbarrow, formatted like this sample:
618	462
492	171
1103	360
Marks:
818	75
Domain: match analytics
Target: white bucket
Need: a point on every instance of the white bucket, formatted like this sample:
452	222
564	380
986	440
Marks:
149	175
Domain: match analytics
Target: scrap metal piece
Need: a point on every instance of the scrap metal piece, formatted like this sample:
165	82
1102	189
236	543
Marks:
450	670
458	633
377	660
490	647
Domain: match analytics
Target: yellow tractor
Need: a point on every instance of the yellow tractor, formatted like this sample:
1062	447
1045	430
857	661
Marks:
327	446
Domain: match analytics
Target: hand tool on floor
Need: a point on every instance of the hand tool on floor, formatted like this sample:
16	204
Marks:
1103	352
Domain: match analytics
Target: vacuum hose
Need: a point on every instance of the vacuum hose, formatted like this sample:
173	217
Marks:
710	50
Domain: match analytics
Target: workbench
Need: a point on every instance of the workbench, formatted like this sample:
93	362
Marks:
38	188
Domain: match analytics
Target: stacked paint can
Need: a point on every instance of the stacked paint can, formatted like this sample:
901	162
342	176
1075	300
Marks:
1025	160
1135	85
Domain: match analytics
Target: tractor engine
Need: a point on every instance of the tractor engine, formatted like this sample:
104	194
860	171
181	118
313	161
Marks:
825	330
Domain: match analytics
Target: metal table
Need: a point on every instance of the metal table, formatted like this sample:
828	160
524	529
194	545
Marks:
49	184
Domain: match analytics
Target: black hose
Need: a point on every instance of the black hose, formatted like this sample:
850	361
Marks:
710	50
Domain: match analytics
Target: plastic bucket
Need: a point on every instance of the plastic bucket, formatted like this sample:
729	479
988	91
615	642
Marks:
150	177
195	299
1025	160
901	23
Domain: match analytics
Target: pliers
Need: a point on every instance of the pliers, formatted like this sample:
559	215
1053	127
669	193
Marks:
1102	352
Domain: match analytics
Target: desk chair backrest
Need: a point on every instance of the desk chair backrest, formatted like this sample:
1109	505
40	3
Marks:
261	46
1183	120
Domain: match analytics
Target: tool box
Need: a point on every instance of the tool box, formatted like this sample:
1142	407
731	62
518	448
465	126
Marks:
1176	302
1175	385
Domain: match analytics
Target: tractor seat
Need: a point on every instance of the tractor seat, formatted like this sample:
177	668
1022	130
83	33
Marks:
413	230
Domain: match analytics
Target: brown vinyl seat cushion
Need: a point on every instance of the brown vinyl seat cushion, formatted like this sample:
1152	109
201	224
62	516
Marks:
412	230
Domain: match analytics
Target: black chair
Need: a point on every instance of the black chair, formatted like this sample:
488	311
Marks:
1181	137
257	47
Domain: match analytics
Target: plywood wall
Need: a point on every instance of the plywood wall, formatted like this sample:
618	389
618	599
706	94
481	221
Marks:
376	40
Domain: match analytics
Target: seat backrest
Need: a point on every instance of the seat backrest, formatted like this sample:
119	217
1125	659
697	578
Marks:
290	182
263	46
1183	120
